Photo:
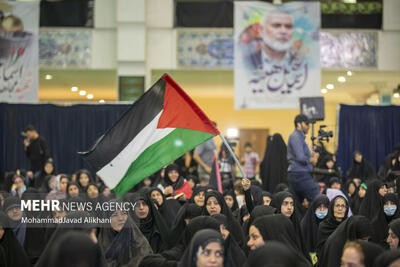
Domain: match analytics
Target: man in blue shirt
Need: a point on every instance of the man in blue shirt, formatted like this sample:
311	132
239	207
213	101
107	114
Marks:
301	161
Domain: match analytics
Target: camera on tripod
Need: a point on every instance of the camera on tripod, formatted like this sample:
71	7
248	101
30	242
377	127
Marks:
322	135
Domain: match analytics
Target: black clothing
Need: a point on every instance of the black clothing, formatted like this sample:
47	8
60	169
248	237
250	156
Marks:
363	170
153	227
372	201
200	239
233	195
126	247
195	225
278	227
37	153
277	201
168	209
11	252
75	249
387	258
273	168
234	226
381	221
187	211
395	226
329	225
258	211
310	223
355	227
371	252
276	253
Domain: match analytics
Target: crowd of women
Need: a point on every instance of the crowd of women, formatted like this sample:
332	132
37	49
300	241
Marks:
179	221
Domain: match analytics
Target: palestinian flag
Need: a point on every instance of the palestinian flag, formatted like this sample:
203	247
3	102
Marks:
158	128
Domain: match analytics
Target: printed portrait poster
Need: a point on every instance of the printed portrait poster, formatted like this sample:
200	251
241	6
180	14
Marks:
19	51
277	54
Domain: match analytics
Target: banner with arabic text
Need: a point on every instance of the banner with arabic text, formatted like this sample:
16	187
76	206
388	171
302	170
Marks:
277	54
19	51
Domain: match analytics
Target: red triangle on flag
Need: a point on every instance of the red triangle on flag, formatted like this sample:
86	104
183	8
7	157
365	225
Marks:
180	111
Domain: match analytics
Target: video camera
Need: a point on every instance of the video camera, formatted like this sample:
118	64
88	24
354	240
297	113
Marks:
322	135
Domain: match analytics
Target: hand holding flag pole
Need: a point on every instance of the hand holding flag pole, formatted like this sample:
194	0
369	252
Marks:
233	154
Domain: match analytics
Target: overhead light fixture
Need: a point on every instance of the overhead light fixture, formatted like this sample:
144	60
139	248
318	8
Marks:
232	132
101	101
82	92
349	73
48	77
330	86
396	95
74	89
341	79
324	91
89	96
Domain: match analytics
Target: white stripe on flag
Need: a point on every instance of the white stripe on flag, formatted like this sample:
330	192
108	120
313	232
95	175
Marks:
113	172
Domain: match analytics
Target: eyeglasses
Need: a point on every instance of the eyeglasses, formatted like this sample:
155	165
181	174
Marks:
340	206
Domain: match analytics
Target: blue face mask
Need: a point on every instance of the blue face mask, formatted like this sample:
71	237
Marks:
321	214
390	210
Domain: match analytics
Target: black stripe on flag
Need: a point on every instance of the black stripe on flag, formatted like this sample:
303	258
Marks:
132	122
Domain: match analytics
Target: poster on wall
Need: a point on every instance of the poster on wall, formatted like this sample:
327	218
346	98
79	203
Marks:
19	52
277	54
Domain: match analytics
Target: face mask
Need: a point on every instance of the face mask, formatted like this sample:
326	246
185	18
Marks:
321	214
390	210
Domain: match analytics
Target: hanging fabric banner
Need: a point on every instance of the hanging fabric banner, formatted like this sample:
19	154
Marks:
277	54
19	51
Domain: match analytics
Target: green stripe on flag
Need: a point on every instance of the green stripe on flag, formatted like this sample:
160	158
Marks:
161	153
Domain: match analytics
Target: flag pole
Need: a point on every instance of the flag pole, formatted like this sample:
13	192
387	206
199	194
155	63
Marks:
233	154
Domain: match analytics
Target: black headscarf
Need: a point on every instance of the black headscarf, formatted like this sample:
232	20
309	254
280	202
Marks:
363	170
39	180
11	252
18	227
71	184
175	185
281	187
168	209
278	227
75	249
234	226
78	175
387	258
61	229
353	228
233	195
273	168
187	211
196	191
373	200
329	225
153	227
126	247
195	225
277	253
277	201
395	226
310	223
257	212
381	220
234	255
200	239
371	252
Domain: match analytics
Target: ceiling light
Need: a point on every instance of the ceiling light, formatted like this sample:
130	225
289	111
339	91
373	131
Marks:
89	96
48	77
341	79
396	95
82	92
232	132
330	86
349	73
101	101
324	91
74	89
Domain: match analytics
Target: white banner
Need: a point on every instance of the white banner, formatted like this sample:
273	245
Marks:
19	51
277	54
